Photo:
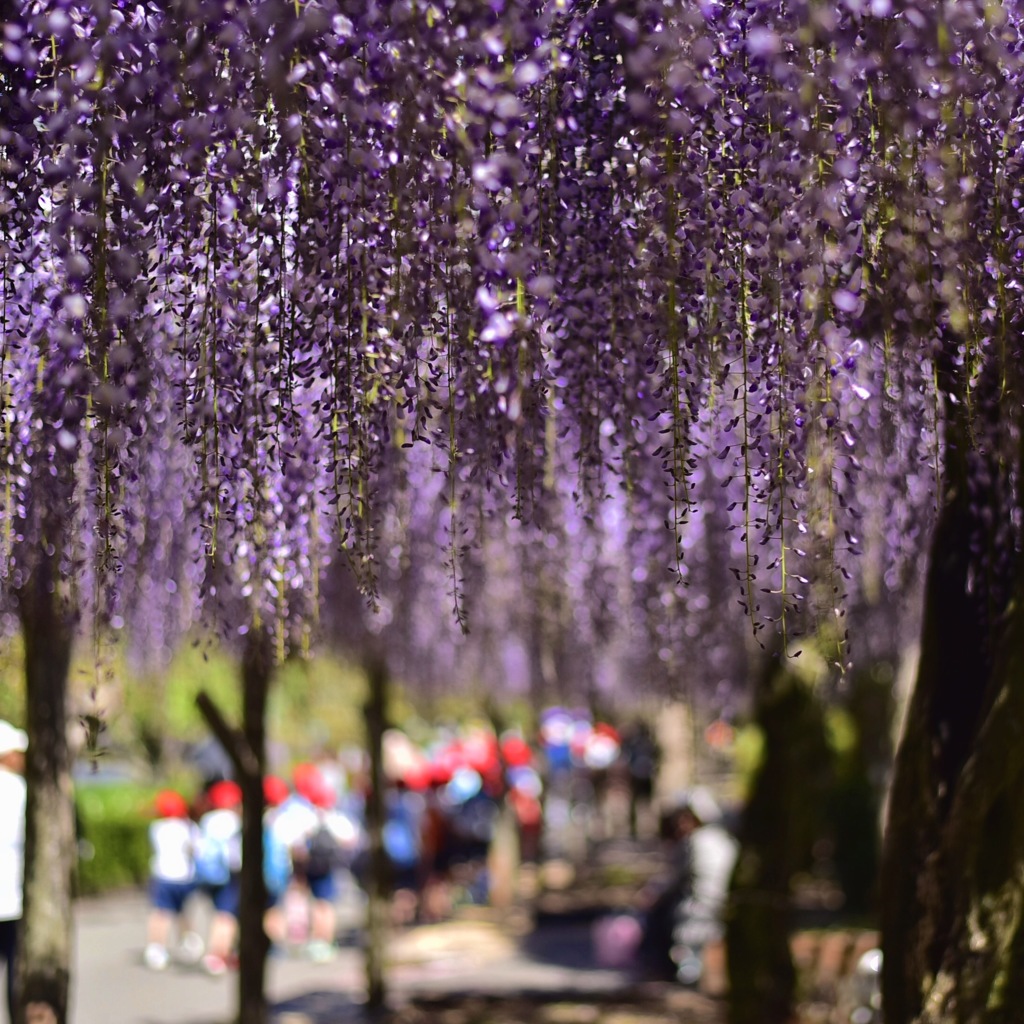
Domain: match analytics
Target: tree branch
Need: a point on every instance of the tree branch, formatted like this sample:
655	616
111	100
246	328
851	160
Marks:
244	759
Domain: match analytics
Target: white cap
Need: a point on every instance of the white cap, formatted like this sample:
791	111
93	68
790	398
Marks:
12	738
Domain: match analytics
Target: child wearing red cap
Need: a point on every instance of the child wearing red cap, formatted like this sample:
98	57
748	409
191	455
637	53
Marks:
171	874
218	863
277	861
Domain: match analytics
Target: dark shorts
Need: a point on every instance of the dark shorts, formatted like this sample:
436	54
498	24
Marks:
169	895
224	897
323	887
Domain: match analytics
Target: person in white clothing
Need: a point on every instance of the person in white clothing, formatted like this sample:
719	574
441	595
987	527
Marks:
685	911
13	744
218	866
320	839
172	838
713	851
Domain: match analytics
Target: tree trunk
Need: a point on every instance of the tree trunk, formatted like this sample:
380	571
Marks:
247	749
253	944
45	963
953	685
953	861
953	897
779	825
503	853
974	883
378	882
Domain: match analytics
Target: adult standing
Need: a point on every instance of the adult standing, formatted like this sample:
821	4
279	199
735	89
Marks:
13	744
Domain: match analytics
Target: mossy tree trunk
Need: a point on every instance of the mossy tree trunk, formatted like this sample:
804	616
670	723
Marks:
953	859
953	871
780	821
45	963
855	801
972	887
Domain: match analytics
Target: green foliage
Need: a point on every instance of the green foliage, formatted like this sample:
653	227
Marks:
317	703
114	822
748	753
12	680
841	732
167	701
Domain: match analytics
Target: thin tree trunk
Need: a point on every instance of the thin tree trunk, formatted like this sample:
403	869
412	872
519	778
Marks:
45	963
504	855
378	888
253	944
247	750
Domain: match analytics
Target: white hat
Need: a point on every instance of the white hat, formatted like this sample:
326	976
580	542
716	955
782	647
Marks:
12	738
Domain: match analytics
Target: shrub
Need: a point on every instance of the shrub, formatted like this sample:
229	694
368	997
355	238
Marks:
113	822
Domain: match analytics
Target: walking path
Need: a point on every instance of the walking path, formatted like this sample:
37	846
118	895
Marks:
111	985
497	974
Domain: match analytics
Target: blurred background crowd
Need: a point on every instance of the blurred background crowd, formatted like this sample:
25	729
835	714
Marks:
444	803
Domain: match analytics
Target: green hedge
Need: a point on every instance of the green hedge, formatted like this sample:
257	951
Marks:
113	825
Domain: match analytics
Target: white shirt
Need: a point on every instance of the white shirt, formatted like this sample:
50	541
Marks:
12	844
171	840
714	853
297	819
225	826
294	822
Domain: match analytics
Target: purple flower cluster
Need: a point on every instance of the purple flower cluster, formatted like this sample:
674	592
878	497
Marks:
689	282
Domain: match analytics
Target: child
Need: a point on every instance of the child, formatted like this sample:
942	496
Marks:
218	863
172	874
277	864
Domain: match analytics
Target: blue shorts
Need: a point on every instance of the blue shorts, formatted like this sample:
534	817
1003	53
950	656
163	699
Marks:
323	887
224	897
169	895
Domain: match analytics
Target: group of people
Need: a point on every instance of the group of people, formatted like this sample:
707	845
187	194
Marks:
442	805
441	812
197	851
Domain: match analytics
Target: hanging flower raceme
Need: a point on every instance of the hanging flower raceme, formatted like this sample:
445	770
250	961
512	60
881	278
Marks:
666	251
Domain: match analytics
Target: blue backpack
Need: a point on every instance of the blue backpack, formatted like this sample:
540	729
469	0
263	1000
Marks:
277	865
211	861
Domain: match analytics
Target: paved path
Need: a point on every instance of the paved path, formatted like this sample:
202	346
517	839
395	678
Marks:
111	986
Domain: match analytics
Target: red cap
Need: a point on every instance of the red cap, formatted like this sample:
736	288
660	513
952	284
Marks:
323	796
225	795
481	753
417	776
308	781
516	751
275	790
170	804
